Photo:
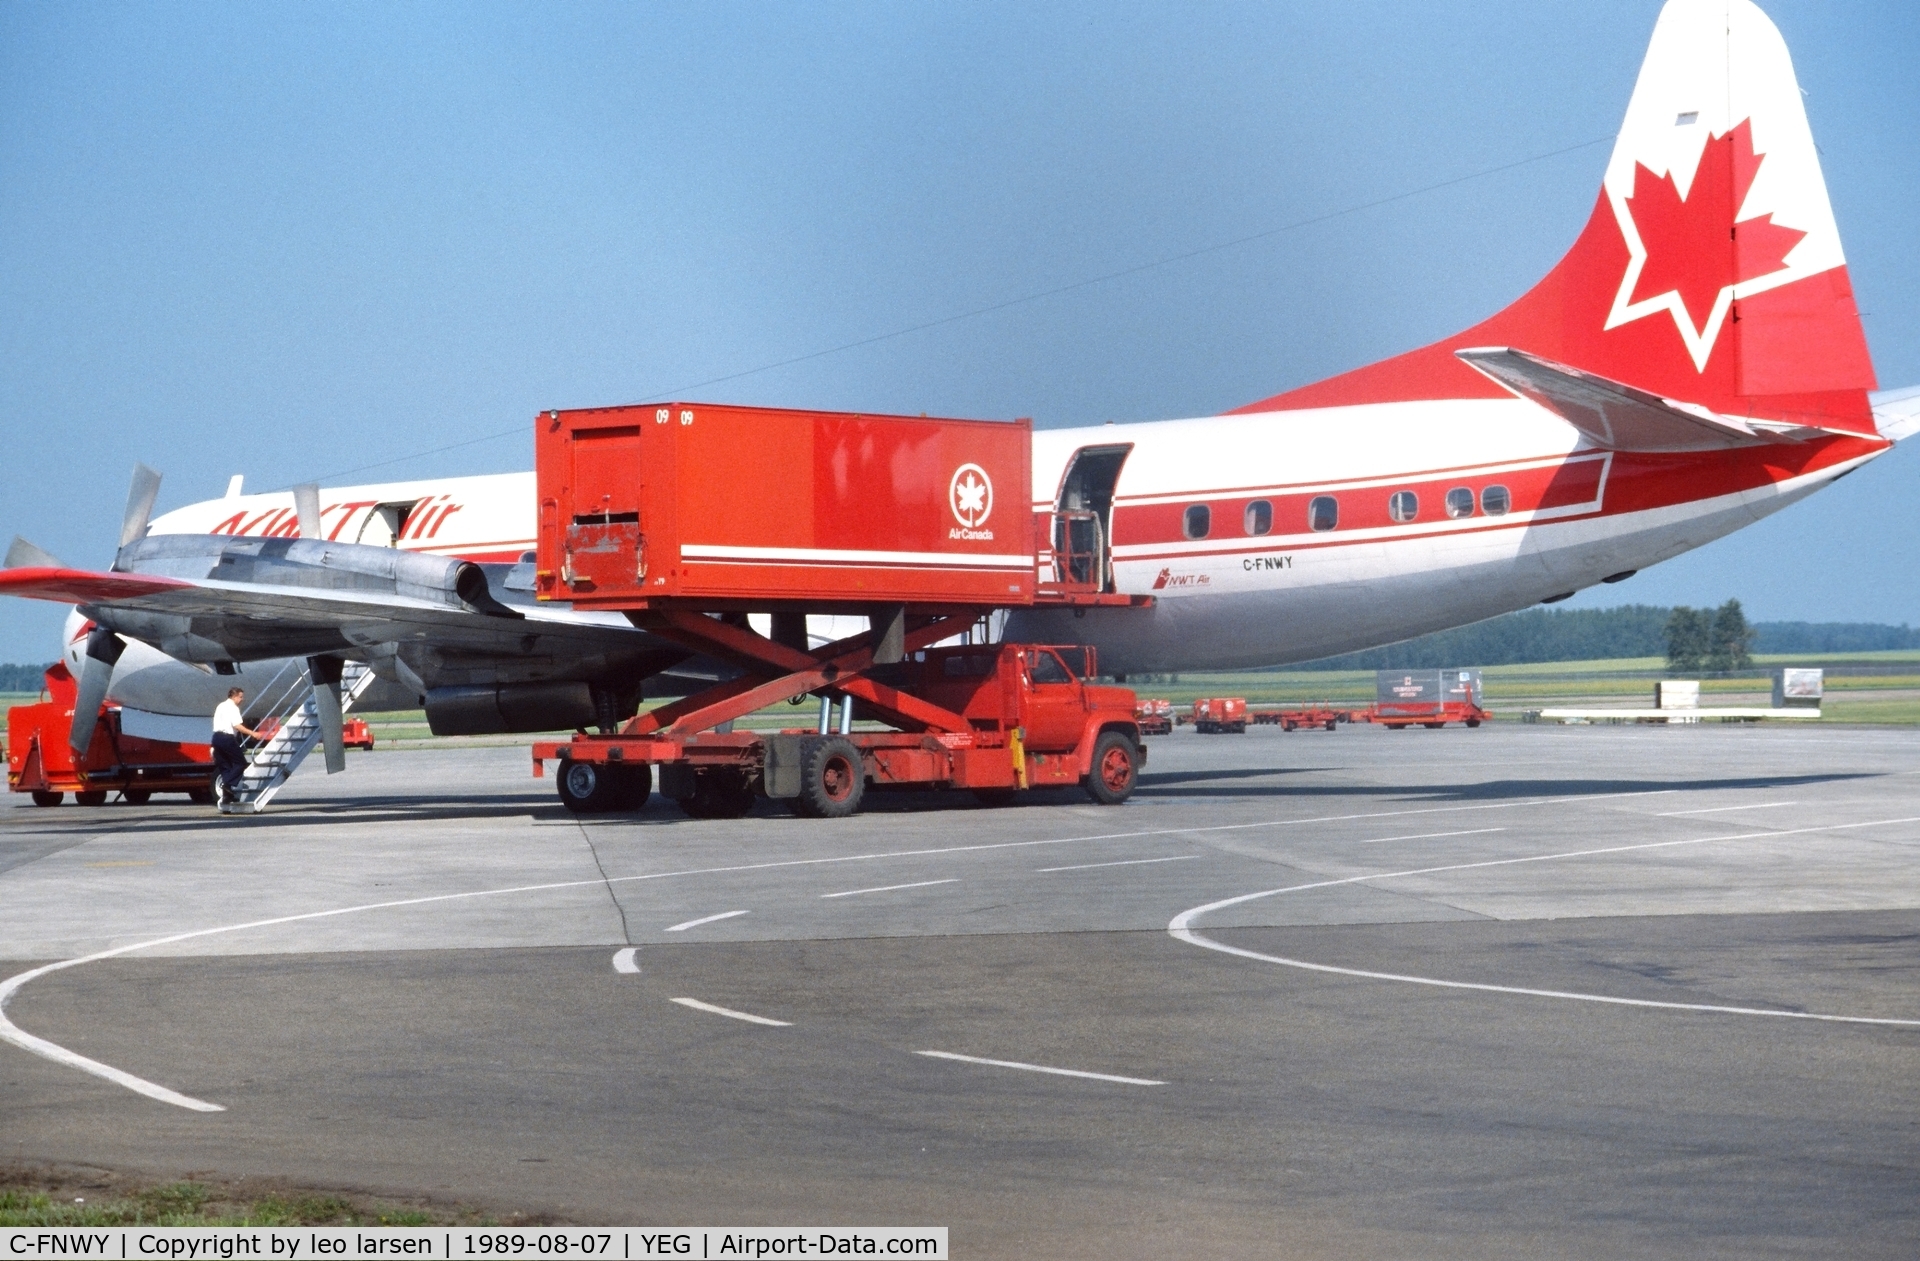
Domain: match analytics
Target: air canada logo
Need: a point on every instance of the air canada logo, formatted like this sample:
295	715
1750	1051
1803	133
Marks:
970	495
1690	255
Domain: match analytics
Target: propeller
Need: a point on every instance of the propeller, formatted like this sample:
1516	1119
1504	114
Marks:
306	506
24	555
96	673
140	496
325	673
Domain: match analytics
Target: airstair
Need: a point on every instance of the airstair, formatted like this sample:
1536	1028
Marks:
295	725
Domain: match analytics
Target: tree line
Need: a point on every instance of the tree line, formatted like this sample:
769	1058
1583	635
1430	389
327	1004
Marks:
1703	639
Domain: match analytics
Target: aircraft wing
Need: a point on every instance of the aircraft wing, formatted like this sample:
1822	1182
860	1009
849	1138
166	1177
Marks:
249	599
1621	417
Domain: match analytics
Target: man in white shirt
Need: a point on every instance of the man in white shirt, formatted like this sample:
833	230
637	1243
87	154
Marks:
229	763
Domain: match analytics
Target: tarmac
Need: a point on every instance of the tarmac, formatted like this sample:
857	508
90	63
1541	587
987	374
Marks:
1522	991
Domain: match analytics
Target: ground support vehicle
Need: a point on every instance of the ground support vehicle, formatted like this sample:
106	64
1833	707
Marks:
690	519
1315	715
1155	717
994	719
1431	714
1216	715
39	760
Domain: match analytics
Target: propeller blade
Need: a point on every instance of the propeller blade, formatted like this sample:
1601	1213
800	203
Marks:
140	497
325	673
96	673
24	555
306	505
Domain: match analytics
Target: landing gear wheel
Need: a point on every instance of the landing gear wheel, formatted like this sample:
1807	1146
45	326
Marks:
591	787
136	796
92	797
1116	762
719	792
48	798
832	779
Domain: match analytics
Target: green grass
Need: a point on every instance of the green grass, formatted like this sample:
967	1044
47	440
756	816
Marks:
195	1204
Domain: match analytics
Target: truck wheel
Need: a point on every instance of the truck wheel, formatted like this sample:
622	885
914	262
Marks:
833	779
1116	762
92	797
1433	726
1329	724
136	796
589	788
48	798
1286	726
718	793
1473	722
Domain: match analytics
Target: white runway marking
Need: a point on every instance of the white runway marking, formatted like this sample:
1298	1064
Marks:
1430	836
695	923
749	1017
1041	1068
1765	805
1124	862
1181	929
889	888
626	961
10	1032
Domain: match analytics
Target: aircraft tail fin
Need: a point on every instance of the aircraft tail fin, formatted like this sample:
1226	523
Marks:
1710	270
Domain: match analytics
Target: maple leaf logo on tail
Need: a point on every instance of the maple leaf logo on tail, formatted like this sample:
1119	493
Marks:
1693	251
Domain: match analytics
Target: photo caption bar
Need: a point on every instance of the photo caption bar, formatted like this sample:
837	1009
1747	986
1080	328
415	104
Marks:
443	1243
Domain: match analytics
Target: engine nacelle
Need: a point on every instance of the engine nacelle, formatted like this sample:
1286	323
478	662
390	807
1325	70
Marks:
517	707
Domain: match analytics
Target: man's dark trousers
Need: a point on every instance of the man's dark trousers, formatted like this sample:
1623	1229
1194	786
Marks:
228	762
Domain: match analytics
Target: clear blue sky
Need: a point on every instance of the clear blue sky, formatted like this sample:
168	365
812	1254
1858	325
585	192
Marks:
293	241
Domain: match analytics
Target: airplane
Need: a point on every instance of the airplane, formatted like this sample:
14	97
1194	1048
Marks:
1694	363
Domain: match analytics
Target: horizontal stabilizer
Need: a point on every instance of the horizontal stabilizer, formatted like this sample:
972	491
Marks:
1620	417
1897	413
24	555
80	586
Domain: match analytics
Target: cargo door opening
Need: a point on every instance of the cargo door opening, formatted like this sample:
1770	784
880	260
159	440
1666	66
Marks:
1083	517
386	524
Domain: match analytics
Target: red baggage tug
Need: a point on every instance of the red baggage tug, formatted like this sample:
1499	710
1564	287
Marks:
40	762
688	517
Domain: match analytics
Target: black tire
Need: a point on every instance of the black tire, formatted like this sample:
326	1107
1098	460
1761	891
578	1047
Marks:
1115	768
719	792
833	779
200	796
590	787
1329	724
1433	726
136	796
1473	722
92	797
635	784
997	798
41	798
1286	726
1396	726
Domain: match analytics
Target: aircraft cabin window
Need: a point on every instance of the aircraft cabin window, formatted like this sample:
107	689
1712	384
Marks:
1197	521
1460	502
1494	501
1259	517
1403	505
1323	512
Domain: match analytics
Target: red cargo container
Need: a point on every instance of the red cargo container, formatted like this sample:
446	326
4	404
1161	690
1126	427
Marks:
755	507
1220	714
